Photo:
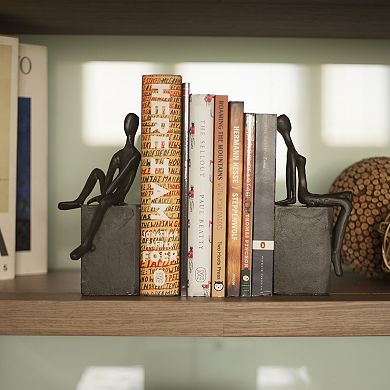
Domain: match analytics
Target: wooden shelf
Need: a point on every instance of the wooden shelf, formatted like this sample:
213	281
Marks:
52	305
265	18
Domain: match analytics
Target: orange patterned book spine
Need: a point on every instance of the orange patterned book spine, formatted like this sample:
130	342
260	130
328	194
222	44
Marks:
218	254
247	205
161	124
234	207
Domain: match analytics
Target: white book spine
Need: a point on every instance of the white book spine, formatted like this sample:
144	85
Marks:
200	177
31	207
8	138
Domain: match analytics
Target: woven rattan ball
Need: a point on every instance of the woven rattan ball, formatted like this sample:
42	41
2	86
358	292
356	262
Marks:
369	180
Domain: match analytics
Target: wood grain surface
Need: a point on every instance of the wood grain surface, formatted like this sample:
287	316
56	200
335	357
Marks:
267	18
52	305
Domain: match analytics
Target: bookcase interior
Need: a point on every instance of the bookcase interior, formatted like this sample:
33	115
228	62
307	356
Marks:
261	18
52	305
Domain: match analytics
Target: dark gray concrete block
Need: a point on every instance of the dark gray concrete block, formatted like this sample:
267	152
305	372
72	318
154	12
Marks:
302	257
113	267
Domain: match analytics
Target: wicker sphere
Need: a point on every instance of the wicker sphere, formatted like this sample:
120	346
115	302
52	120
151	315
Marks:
369	180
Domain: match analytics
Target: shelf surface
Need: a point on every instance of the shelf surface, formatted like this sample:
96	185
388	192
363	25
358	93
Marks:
52	305
256	18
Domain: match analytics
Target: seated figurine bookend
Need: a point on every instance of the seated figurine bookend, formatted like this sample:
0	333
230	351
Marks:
296	166
114	186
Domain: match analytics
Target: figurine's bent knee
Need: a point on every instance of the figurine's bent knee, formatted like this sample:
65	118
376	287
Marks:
98	174
97	171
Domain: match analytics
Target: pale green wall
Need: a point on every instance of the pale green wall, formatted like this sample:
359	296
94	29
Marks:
71	160
47	363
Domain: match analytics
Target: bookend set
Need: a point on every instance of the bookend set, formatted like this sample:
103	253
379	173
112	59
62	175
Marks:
302	245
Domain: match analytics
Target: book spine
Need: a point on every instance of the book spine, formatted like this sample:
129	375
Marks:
31	199
184	190
264	205
161	131
218	252
247	206
8	146
200	178
234	208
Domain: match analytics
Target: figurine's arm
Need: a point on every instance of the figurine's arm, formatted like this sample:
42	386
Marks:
291	178
133	173
112	168
284	129
123	175
291	181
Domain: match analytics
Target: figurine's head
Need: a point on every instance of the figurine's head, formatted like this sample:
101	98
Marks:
283	125
131	124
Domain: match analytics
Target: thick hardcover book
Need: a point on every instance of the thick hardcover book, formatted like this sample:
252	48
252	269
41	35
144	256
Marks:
200	194
184	190
161	129
31	198
234	207
264	205
218	252
247	205
8	138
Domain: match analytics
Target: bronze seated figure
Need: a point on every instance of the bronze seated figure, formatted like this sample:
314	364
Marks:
113	190
296	164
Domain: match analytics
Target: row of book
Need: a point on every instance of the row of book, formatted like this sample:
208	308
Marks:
207	193
23	158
